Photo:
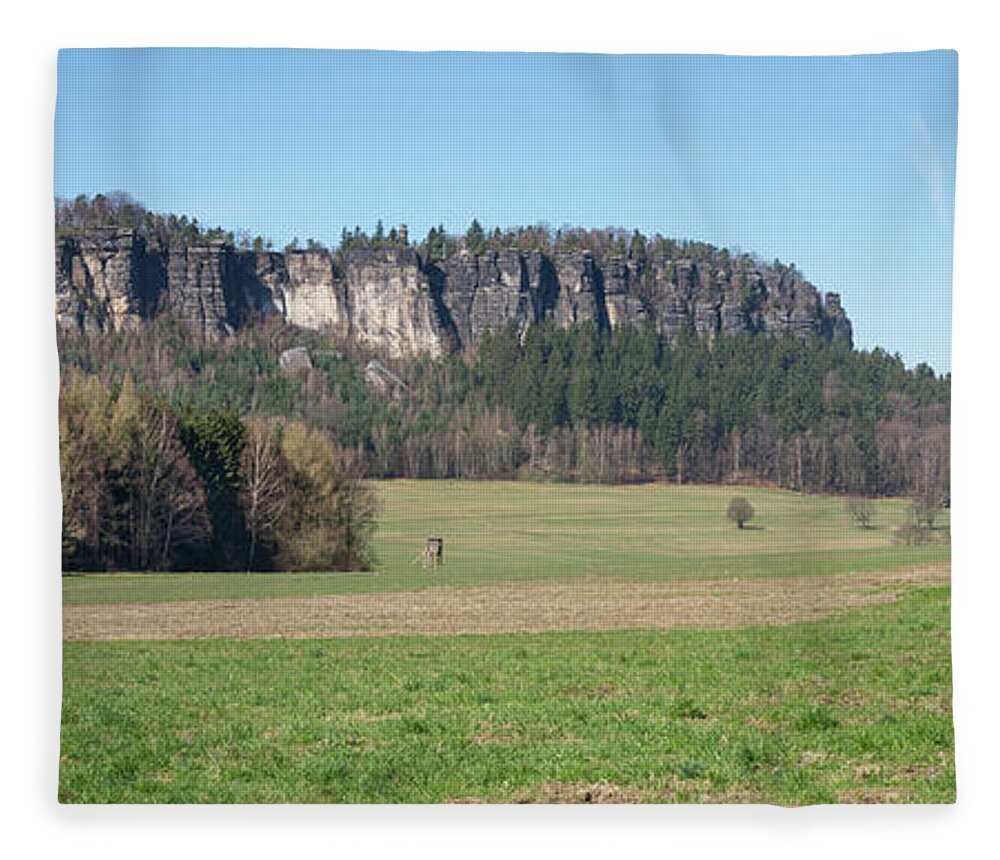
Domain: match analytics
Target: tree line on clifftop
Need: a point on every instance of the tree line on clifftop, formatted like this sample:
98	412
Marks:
119	209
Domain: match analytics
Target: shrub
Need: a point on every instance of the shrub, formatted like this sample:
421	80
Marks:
740	511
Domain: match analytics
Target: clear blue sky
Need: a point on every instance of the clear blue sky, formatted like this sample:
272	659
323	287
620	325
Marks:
841	165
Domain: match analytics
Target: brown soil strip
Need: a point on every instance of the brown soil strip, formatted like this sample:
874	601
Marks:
502	608
560	792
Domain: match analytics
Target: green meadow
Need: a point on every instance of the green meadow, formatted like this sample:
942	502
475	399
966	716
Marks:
855	707
848	711
523	531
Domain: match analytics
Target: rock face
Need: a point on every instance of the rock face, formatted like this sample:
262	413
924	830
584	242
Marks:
295	359
313	297
199	277
398	303
504	287
581	290
262	283
838	325
100	283
394	305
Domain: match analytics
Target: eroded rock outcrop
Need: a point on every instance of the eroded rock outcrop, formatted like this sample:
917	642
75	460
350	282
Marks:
581	290
399	303
198	280
295	360
313	296
262	283
394	305
99	281
480	291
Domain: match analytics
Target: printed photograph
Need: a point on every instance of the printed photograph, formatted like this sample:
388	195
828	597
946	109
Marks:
501	428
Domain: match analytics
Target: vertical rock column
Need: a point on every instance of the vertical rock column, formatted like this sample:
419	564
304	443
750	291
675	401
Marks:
314	297
581	290
197	277
98	287
391	304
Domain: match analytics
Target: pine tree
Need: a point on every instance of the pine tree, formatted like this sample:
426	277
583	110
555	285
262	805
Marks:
475	238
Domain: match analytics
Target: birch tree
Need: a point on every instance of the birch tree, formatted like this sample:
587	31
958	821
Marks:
262	485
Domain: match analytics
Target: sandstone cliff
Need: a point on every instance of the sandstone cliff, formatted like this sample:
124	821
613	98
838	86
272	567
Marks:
99	283
393	304
398	303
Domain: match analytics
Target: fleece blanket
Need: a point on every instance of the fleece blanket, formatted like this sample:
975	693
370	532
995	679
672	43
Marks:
501	428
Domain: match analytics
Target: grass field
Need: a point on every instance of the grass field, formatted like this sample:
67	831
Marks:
517	531
803	661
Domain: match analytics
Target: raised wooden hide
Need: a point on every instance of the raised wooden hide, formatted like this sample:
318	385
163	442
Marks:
434	553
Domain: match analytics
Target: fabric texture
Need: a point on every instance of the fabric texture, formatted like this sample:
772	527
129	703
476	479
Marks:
392	473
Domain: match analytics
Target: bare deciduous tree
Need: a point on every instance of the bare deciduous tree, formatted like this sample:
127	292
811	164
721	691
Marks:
328	517
83	467
162	503
262	485
861	510
926	508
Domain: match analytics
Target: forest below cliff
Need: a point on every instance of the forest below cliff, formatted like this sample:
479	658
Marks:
571	403
770	399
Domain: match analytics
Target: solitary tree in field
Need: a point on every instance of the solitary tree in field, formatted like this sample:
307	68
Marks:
740	511
861	510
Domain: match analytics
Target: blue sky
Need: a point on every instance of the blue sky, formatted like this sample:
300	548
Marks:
841	165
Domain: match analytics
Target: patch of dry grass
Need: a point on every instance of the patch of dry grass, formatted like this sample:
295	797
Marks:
503	608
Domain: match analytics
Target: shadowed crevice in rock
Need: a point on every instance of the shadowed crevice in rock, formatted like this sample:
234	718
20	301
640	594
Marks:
437	281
